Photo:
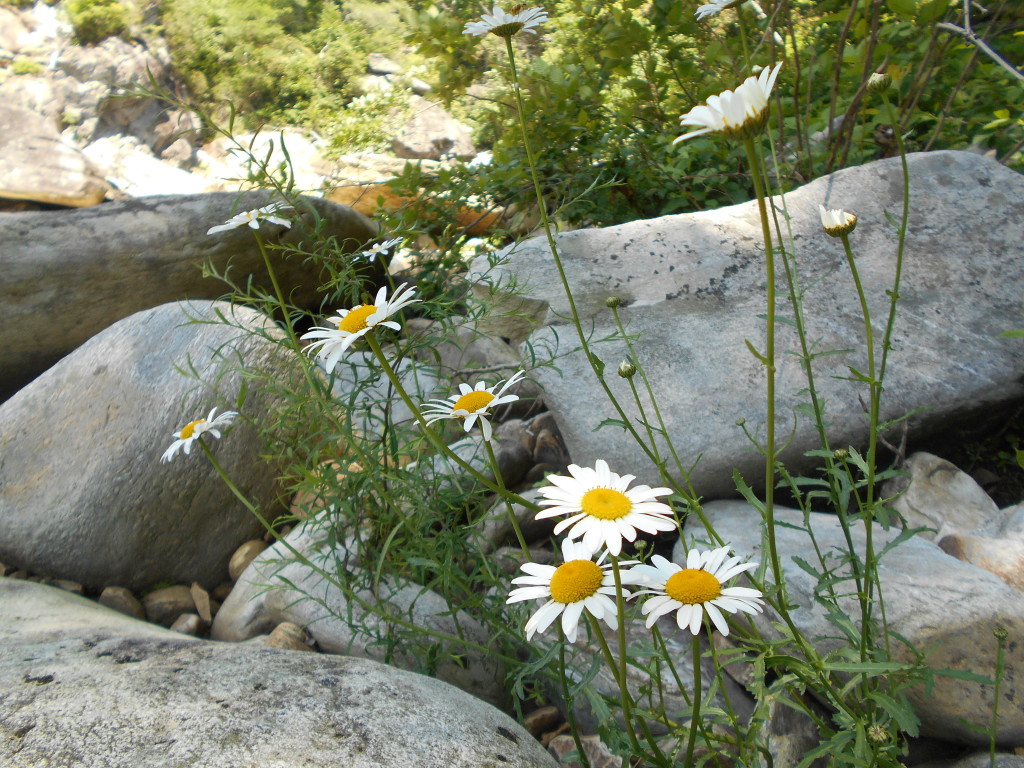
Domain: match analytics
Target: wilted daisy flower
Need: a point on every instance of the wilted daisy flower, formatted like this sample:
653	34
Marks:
192	431
716	7
472	404
332	343
836	221
577	584
381	249
254	217
739	114
697	589
601	509
502	24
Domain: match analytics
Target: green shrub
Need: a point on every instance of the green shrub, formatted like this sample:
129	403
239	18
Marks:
96	20
24	66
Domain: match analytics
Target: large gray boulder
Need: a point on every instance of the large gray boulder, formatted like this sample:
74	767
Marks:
945	608
83	494
83	685
692	288
277	587
100	264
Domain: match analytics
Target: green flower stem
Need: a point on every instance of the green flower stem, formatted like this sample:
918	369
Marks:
698	695
769	364
620	610
613	667
389	616
546	223
692	497
1001	635
570	715
436	441
866	593
508	504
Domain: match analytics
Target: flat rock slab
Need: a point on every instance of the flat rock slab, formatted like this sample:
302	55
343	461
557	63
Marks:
83	270
85	686
693	288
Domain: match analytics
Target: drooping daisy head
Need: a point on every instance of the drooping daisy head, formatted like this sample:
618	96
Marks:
503	24
473	404
253	218
697	589
738	114
836	221
381	249
576	585
192	431
351	324
602	509
715	7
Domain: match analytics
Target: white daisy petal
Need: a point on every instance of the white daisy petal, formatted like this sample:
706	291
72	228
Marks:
738	114
194	430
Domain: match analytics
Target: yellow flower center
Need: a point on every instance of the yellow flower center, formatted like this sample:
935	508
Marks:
189	429
355	320
575	580
605	504
473	401
693	587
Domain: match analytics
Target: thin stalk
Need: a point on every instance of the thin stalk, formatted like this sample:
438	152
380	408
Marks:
620	607
508	504
609	659
548	232
698	695
570	716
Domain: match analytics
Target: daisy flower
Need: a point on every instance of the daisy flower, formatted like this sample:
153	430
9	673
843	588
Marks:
192	431
601	509
577	584
715	7
836	221
502	24
332	343
740	114
694	590
472	404
254	217
381	249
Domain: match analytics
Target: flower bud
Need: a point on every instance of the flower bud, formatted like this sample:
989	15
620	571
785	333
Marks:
836	221
626	369
613	302
879	82
840	454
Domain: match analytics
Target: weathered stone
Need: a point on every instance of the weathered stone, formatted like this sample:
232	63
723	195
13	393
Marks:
123	601
84	442
540	720
84	686
131	169
496	528
244	555
104	263
432	133
204	606
189	624
164	606
945	608
36	164
692	288
597	753
1002	556
289	636
935	494
276	587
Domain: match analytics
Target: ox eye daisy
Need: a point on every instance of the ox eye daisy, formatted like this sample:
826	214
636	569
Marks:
253	218
503	24
351	324
602	508
473	404
381	249
192	431
576	585
739	114
694	590
837	222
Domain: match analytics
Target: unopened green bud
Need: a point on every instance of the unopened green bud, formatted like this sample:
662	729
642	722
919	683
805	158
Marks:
613	302
879	82
840	454
626	369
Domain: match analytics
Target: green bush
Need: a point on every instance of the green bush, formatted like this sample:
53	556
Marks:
24	66
96	20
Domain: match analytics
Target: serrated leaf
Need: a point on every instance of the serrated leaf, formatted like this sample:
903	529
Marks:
900	711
